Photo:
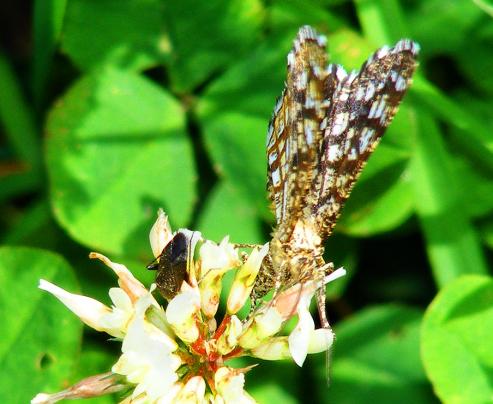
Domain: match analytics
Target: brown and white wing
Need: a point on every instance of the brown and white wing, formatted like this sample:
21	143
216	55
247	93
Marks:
362	106
294	137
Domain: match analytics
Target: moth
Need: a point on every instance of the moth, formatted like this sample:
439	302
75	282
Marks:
325	125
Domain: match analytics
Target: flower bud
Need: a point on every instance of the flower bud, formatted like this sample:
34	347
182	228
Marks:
213	256
229	338
210	291
193	392
229	385
93	386
181	314
263	326
216	260
160	234
245	279
275	348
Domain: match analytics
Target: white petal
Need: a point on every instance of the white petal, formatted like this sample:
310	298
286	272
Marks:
210	291
180	314
338	273
42	398
269	322
229	384
320	340
160	234
275	348
170	396
300	336
193	392
263	326
120	299
148	357
222	256
117	320
89	310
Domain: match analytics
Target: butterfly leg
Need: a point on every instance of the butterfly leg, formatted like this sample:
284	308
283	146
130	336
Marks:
266	279
323	269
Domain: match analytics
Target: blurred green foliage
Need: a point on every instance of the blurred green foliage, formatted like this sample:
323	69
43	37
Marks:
110	109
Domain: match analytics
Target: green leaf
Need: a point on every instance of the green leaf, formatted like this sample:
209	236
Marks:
206	36
48	21
251	85
17	119
432	20
478	201
456	346
228	212
234	114
272	393
376	354
342	251
473	134
477	72
17	183
116	151
126	33
40	337
274	382
487	231
453	246
382	21
31	222
239	153
288	15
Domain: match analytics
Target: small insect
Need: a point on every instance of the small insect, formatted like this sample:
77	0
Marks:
173	264
324	127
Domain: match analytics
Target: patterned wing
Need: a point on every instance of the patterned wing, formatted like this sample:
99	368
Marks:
362	107
294	137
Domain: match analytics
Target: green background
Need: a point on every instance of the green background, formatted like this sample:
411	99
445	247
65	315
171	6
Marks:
110	109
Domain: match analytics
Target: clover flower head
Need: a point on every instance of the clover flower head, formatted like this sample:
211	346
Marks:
179	354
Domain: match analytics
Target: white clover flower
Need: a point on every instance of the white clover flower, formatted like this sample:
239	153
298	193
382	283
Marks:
148	359
178	354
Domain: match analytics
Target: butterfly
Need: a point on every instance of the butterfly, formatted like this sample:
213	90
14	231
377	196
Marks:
324	127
